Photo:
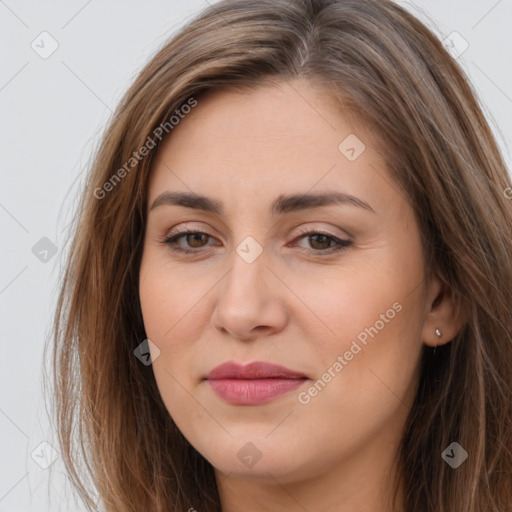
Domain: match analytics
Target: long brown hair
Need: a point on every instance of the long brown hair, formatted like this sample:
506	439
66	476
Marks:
375	56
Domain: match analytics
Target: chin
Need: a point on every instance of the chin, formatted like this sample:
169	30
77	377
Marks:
259	457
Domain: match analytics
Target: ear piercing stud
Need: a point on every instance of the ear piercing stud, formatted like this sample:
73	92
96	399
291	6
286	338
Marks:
438	332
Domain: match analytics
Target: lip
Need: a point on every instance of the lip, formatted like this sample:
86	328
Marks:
253	384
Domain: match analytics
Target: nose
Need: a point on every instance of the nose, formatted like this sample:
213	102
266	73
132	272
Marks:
250	303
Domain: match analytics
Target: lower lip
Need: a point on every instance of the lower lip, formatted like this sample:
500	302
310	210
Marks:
254	391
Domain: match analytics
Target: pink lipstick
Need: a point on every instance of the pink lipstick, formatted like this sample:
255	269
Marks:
253	384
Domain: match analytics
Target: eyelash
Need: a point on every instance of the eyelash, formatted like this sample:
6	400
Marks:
340	244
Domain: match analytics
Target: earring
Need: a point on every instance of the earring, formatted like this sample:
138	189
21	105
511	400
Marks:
438	332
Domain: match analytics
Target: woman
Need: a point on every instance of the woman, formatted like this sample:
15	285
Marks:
290	283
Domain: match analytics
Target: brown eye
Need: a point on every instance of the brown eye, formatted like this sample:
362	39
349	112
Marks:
320	241
194	239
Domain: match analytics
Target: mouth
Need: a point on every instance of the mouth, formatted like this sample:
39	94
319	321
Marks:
253	384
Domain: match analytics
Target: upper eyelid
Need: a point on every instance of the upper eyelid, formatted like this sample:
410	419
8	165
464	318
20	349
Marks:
187	229
310	231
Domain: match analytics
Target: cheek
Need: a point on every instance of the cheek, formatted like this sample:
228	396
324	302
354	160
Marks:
371	317
169	298
364	301
368	393
378	380
170	304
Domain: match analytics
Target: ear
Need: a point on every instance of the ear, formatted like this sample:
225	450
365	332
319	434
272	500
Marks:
441	314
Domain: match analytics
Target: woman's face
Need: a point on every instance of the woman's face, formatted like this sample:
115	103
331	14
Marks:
282	271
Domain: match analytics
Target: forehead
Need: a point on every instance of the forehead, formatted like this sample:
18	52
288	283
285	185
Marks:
275	114
281	137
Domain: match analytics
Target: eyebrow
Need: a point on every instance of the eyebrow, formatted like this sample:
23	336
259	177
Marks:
281	205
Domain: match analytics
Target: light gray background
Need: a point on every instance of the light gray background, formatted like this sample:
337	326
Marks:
52	113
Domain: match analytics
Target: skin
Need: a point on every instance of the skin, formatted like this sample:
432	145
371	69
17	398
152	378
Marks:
292	305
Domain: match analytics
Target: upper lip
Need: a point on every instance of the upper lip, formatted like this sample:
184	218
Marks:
255	370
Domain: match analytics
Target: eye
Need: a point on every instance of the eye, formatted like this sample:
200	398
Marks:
324	242
196	240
